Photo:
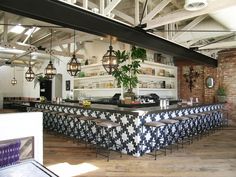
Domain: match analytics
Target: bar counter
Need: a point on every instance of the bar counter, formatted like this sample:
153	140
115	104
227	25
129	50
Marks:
131	135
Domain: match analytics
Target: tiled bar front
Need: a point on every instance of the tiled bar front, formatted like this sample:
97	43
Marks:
134	139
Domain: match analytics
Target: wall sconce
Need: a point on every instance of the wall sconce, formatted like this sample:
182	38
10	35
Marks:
191	77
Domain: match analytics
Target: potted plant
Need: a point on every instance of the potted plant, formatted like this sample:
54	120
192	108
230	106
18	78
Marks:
221	94
126	73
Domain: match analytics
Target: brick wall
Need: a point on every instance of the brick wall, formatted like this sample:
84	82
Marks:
224	75
227	78
200	90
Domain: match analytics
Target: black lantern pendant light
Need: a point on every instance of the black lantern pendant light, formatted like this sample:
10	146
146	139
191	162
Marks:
109	60
73	67
14	81
50	70
29	75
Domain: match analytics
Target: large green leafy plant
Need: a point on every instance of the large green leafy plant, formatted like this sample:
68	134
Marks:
129	64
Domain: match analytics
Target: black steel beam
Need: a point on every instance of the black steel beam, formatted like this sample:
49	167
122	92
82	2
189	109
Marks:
70	16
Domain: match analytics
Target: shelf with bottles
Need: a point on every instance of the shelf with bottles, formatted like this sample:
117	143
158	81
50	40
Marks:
99	83
156	69
157	84
98	89
156	89
154	77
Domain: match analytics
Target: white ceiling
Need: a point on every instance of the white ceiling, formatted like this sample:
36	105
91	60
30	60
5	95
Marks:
208	30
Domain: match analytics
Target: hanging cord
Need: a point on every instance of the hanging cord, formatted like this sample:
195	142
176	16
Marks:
74	42
14	71
110	40
143	13
51	46
31	35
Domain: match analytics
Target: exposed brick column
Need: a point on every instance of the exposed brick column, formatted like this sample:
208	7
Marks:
227	78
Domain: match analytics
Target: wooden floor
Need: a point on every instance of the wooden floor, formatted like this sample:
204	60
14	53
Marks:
214	155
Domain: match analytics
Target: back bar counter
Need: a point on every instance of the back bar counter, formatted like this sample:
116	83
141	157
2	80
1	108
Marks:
134	138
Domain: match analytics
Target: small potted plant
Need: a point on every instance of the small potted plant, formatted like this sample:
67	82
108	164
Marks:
126	73
221	94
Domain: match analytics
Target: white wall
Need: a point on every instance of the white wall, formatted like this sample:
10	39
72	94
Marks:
1	100
20	125
31	89
7	74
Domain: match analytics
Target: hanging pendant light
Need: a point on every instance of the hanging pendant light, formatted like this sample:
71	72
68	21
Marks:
109	60
50	70
14	81
29	75
73	67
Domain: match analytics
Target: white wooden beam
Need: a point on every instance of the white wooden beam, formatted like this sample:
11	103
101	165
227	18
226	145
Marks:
111	6
102	6
118	13
189	26
85	4
124	16
136	13
182	14
26	39
156	10
220	45
5	31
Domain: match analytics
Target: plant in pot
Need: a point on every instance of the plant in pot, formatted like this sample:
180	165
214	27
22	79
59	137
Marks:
221	94
126	73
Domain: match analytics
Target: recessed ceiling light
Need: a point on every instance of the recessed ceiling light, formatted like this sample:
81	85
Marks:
17	29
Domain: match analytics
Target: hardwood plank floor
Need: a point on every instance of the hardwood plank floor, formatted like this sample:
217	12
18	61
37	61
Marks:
212	156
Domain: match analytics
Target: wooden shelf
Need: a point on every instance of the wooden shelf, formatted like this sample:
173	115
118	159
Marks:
95	77
155	77
95	65
153	64
157	89
97	89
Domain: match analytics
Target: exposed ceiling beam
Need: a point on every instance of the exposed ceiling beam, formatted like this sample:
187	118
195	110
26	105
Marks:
118	13
220	45
29	35
156	10
102	6
85	4
189	26
111	6
136	12
124	16
99	25
183	14
5	31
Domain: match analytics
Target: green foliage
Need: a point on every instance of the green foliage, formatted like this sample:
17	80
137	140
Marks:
221	91
126	74
138	53
41	78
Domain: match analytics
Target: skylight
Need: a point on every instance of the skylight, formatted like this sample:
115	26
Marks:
18	29
35	29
